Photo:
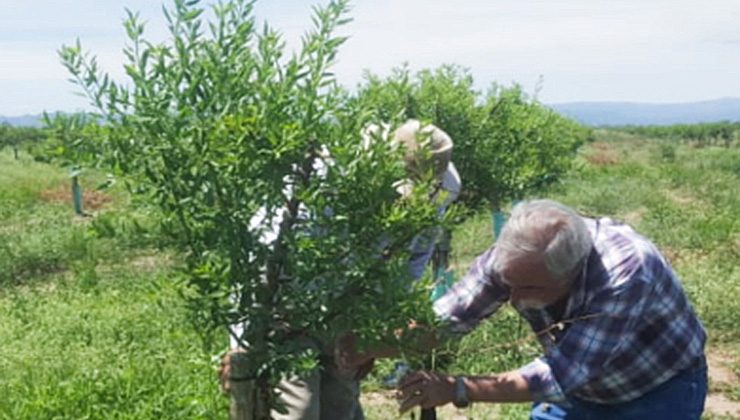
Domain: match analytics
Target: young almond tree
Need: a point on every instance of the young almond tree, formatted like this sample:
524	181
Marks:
289	224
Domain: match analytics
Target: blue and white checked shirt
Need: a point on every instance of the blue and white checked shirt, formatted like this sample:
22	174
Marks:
638	330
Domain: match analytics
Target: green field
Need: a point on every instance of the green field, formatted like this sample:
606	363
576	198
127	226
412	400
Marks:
94	323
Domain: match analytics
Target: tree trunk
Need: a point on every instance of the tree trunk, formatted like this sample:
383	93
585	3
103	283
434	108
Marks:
248	401
428	414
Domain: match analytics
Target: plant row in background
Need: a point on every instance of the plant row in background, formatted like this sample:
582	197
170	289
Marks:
722	133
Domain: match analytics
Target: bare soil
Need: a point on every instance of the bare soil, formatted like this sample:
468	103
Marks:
721	377
91	199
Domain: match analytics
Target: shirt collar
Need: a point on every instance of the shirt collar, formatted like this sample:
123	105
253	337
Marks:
577	297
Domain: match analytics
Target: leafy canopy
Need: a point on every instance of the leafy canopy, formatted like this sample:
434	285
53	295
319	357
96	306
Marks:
255	158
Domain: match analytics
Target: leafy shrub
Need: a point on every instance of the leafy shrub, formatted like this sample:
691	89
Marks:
668	152
71	140
234	142
17	137
506	144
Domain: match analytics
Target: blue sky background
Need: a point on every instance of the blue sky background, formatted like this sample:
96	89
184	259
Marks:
583	50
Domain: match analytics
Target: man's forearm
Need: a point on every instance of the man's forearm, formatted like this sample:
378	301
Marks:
415	339
420	343
503	387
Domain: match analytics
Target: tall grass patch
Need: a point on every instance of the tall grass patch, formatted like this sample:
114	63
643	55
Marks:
121	348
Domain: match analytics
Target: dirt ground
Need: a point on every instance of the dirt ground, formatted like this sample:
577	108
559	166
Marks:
721	377
91	199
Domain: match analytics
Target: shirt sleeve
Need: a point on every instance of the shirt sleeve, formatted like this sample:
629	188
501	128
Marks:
475	297
451	184
587	345
541	381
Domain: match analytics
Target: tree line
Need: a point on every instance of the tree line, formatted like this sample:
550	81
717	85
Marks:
724	133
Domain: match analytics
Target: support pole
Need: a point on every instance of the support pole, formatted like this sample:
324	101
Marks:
498	219
76	191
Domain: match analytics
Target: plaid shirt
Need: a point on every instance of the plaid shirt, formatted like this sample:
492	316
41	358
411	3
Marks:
636	328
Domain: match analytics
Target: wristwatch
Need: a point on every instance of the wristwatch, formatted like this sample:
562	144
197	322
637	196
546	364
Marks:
461	393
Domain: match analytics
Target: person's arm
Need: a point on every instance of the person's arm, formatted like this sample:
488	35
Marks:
576	359
579	356
451	184
348	357
475	297
503	387
430	389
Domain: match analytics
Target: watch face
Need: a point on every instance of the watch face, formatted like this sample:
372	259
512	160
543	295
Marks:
461	393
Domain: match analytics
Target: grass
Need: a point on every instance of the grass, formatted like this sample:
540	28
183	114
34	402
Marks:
114	348
94	324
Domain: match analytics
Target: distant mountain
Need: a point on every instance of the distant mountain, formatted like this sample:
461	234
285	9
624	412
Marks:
23	120
593	113
631	113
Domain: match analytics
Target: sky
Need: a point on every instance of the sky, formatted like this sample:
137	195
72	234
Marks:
658	51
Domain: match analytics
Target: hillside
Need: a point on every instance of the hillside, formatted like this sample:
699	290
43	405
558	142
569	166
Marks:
633	113
22	121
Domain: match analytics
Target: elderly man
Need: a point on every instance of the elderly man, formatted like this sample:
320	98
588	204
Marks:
620	338
331	393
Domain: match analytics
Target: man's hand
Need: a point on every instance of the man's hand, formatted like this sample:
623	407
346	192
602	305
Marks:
224	371
346	356
425	389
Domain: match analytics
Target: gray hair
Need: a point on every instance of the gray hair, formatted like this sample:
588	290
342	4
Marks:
548	229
